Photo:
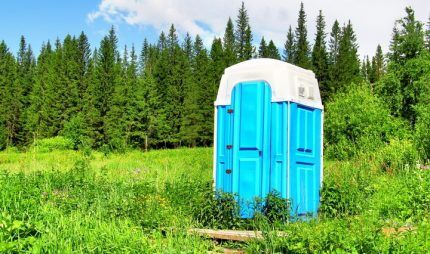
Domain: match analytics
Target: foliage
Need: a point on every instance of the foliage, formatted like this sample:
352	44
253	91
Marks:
320	57
422	134
51	144
397	155
145	202
301	48
357	121
276	208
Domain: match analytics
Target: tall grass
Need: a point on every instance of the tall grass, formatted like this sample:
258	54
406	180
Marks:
75	202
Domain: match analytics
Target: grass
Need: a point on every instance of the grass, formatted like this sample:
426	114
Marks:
70	202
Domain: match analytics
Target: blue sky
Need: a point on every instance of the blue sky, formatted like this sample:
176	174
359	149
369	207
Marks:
42	20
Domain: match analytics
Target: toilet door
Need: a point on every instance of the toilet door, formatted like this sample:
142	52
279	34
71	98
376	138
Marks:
251	103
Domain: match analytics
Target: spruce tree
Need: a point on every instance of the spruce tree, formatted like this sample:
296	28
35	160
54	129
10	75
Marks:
42	97
289	47
333	59
217	65
25	79
404	79
187	46
408	38
196	92
370	73
347	65
334	43
107	72
428	35
363	68
378	62
272	51
11	94
262	50
301	54
320	57
229	44
243	35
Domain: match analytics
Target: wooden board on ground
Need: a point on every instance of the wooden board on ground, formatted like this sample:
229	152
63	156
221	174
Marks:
231	235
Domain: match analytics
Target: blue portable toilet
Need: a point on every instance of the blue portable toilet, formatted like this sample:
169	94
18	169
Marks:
268	134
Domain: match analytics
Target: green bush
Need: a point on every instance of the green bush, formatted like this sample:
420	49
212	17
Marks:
357	122
346	190
397	155
75	130
422	133
276	208
51	144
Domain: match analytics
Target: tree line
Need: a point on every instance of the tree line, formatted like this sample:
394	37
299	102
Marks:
162	94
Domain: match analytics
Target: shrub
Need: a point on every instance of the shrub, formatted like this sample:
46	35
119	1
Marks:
397	154
219	210
422	133
276	208
51	144
75	130
346	190
356	122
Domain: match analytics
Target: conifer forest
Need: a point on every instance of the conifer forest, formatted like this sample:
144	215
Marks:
109	149
163	93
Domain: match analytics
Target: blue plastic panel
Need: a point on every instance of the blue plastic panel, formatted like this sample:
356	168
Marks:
279	130
224	155
305	160
251	143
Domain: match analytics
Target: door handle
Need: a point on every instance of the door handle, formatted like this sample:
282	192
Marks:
260	153
228	171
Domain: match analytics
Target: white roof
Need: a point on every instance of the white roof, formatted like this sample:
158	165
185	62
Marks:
288	82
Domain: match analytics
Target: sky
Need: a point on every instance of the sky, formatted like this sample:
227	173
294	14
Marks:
134	20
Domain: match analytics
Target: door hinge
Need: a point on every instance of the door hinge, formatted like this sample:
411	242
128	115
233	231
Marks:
230	111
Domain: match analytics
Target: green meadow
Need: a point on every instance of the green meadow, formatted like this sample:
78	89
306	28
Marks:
65	201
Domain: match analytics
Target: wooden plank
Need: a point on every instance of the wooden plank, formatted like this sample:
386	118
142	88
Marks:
231	235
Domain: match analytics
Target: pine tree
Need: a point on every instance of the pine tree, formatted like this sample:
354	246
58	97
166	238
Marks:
262	50
289	47
320	57
243	35
301	54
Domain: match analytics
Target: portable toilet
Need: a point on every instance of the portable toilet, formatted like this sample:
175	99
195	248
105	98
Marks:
268	134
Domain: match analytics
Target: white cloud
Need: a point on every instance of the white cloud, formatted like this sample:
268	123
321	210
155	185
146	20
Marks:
372	20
